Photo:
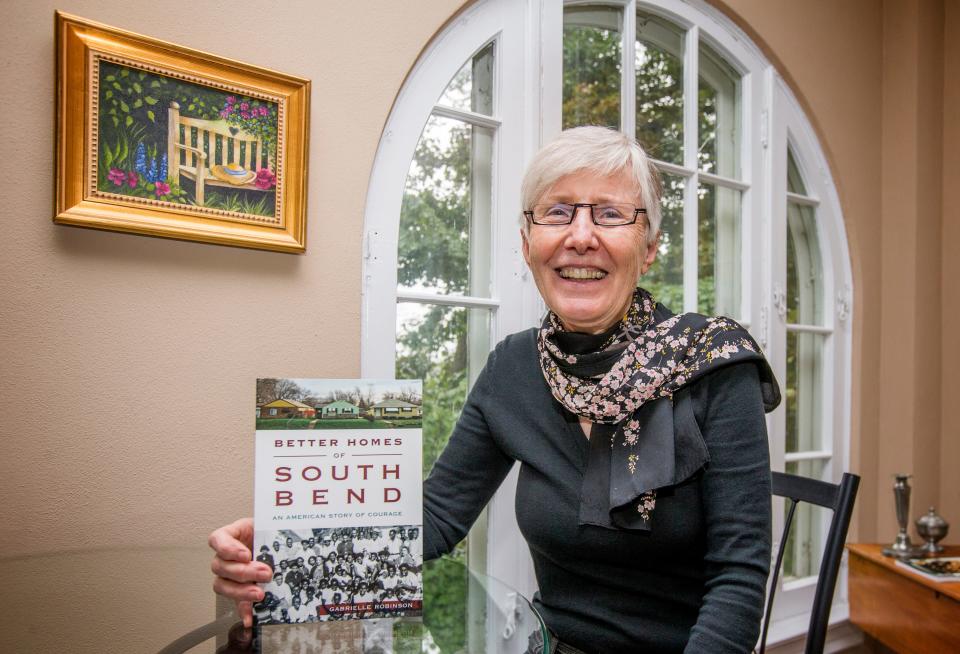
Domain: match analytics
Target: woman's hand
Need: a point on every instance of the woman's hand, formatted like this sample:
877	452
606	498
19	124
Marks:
237	574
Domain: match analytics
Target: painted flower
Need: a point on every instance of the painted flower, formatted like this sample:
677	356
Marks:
265	179
231	99
132	179
244	106
245	115
152	172
117	176
161	189
264	111
225	113
140	161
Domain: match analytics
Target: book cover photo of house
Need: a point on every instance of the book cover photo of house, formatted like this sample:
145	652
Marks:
337	404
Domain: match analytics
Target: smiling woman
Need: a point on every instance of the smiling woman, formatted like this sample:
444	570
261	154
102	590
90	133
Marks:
674	552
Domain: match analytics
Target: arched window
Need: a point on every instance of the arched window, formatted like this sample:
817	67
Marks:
751	229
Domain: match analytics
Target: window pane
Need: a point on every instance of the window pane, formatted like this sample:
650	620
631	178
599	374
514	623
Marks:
718	278
665	278
434	344
445	216
804	371
719	104
794	179
445	347
659	62
805	542
591	66
804	267
471	89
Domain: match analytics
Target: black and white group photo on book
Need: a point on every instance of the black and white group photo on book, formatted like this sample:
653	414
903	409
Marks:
349	572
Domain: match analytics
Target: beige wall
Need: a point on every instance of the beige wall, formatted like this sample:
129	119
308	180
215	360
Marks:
909	435
950	279
139	354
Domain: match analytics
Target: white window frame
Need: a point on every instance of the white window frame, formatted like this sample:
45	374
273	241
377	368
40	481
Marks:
527	112
513	302
788	127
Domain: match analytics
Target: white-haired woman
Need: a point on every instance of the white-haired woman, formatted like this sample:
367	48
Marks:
644	486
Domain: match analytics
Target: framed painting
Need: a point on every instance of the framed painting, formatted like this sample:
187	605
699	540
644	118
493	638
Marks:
158	139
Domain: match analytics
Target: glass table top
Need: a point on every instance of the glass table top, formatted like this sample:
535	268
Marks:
463	612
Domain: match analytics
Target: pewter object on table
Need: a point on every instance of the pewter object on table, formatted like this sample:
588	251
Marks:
932	528
902	547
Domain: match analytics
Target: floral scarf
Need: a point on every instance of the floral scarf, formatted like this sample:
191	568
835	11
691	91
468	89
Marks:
638	362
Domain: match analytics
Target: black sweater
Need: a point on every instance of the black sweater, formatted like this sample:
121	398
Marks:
693	583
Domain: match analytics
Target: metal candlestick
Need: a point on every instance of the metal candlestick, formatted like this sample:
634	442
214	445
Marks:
902	547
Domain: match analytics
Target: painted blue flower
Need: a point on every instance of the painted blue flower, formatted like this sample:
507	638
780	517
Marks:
140	163
163	167
152	172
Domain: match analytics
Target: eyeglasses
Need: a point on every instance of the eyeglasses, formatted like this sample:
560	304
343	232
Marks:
605	215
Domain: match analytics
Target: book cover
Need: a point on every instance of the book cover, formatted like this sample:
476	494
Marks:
946	568
338	499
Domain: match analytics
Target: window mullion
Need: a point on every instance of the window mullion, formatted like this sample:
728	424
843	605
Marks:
726	182
690	195
628	73
429	297
691	66
805	200
469	117
673	169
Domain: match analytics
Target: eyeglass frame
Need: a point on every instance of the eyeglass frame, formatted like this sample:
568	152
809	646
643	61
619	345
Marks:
528	213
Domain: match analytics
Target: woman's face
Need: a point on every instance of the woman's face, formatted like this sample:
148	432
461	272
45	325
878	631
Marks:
587	273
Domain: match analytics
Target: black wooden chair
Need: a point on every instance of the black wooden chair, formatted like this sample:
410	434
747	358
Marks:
839	498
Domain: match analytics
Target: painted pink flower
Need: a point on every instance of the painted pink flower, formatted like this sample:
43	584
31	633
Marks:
117	176
231	99
132	179
265	179
225	113
161	189
244	106
244	115
264	111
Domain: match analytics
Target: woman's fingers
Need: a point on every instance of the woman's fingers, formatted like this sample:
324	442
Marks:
240	592
236	573
233	542
245	609
241	571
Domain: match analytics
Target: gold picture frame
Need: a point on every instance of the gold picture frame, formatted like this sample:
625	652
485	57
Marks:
162	140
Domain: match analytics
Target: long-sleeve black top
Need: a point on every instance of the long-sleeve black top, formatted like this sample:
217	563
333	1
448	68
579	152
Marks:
693	583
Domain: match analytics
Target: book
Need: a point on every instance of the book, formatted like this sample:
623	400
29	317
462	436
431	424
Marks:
338	499
945	568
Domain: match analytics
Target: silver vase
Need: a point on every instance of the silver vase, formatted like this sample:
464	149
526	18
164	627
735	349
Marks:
902	547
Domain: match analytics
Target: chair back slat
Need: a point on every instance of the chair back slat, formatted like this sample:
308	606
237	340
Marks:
802	489
776	575
838	497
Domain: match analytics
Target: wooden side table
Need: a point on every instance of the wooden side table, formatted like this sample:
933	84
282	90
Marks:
905	611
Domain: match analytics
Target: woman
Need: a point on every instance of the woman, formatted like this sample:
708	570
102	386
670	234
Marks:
644	489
